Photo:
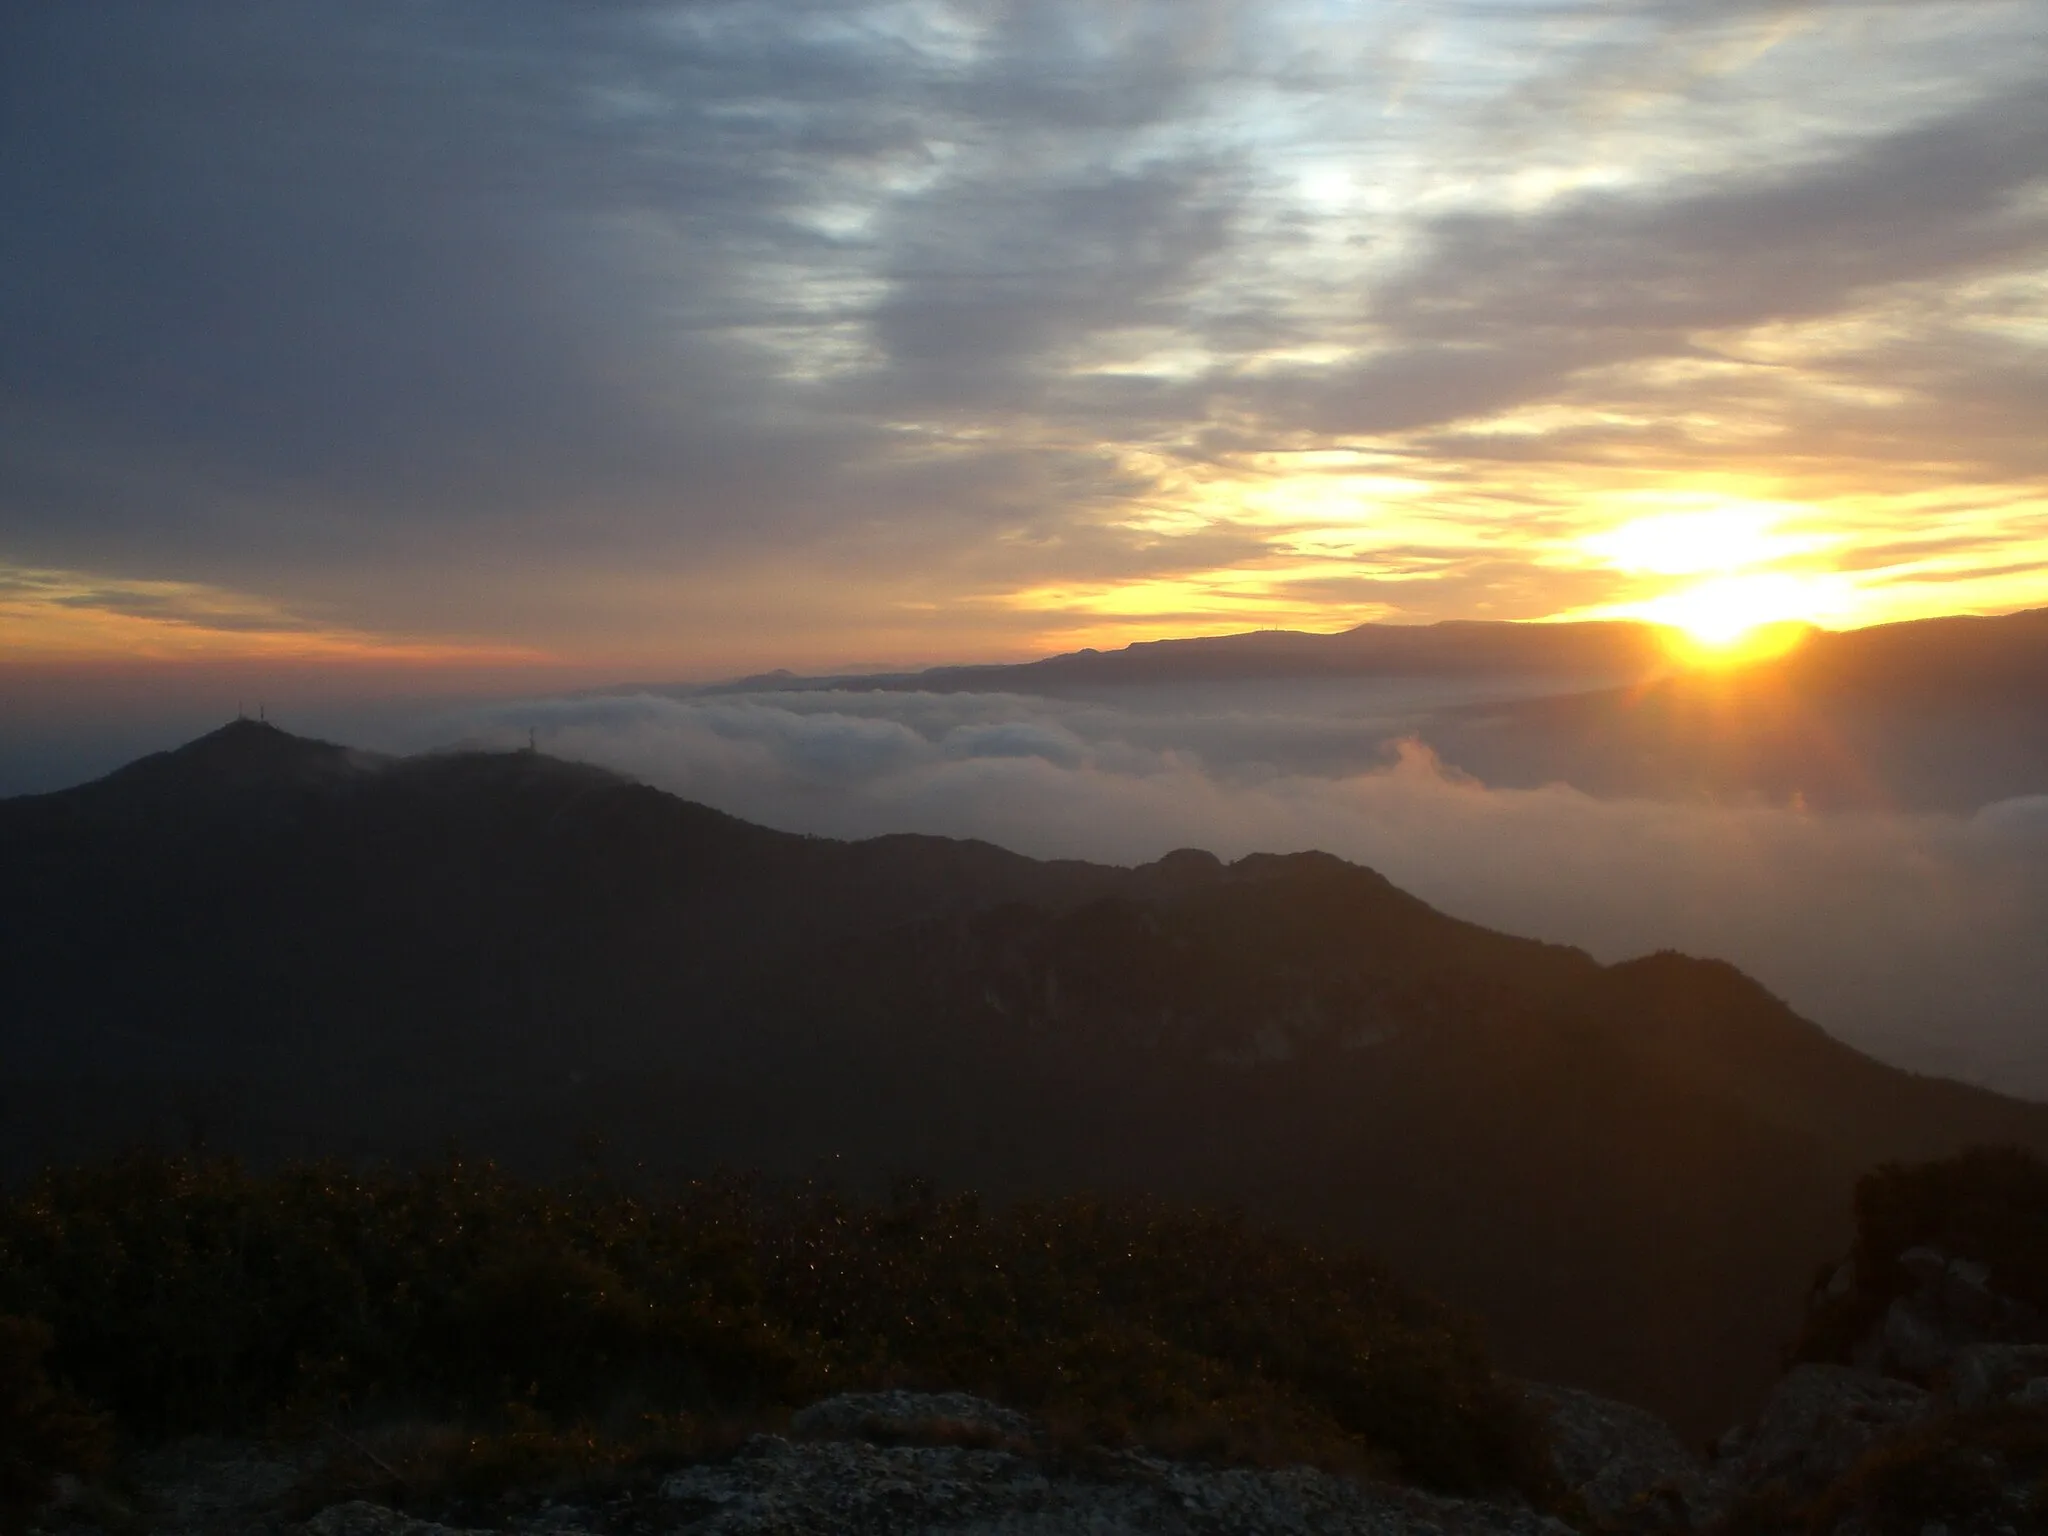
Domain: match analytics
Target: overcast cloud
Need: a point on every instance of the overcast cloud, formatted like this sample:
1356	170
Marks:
460	347
717	333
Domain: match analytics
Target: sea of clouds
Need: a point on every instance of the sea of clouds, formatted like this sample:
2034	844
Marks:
1921	938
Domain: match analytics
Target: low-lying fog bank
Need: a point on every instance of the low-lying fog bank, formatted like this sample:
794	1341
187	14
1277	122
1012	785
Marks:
1920	937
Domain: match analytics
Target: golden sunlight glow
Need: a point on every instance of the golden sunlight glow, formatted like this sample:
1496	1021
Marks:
1726	538
67	617
1743	617
1737	607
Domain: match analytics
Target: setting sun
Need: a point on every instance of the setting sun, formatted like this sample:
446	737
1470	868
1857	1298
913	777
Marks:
1743	617
1716	575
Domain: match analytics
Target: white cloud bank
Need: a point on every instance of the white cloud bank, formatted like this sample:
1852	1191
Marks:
1920	938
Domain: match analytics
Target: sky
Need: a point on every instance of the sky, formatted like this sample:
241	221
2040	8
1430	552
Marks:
433	342
433	370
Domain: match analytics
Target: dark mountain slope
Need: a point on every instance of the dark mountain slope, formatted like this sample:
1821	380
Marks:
1928	658
263	897
1629	1172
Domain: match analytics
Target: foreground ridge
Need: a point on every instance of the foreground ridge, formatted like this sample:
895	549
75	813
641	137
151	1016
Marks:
1939	1418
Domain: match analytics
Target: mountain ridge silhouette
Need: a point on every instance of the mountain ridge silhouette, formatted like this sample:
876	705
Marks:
289	949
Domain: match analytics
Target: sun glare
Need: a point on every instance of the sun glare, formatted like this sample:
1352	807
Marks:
1735	608
1741	618
1693	543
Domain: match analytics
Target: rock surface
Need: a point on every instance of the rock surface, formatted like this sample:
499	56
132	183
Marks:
926	1418
838	1482
859	1489
1823	1419
1627	1466
199	1487
1951	1307
948	1464
1984	1374
360	1519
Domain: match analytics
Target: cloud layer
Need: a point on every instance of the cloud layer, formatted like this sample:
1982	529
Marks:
1923	939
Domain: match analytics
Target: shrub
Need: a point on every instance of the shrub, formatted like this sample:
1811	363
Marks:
1988	1204
190	1295
1988	1468
43	1432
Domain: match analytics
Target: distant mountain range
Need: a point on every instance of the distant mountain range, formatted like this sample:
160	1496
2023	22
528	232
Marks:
1911	658
1456	647
1934	714
1938	714
289	948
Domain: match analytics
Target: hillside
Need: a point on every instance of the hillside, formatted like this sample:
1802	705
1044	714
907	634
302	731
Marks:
286	948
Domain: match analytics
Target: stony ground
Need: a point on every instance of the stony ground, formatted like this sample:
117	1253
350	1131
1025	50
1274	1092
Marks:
910	1464
872	1464
850	1487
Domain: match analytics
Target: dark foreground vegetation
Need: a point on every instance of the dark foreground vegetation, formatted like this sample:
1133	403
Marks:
1978	1459
1988	1205
186	1295
461	1341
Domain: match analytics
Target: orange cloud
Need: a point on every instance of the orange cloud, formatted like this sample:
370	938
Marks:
66	618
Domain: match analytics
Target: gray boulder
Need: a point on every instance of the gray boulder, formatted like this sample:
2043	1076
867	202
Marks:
915	1418
201	1486
1951	1307
1821	1420
1917	1340
850	1487
857	1470
1925	1266
1984	1374
1628	1467
360	1519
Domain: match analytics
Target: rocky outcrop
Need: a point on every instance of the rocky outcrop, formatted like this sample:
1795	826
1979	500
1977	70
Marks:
855	1488
949	1464
1949	1306
1984	1375
200	1487
1928	1412
1819	1422
362	1519
1627	1467
916	1418
869	1464
1836	1451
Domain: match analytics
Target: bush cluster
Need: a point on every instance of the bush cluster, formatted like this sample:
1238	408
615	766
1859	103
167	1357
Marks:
1950	1474
44	1433
1989	1204
189	1295
1986	1204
